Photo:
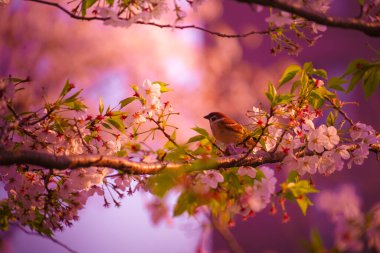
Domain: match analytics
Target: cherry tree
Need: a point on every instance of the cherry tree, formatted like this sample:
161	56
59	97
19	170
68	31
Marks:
56	156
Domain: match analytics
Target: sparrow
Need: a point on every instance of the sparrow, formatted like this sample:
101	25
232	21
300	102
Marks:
227	130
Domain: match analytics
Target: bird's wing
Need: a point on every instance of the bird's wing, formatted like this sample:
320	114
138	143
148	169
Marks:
230	125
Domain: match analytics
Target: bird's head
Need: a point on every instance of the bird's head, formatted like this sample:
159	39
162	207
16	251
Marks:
212	116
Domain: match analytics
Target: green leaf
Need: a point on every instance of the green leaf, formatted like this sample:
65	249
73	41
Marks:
271	93
295	85
127	101
321	73
201	131
259	175
73	97
283	99
76	105
163	86
161	183
303	202
330	119
117	123
5	215
196	138
308	68
335	83
371	81
187	201
289	74
355	80
85	5
106	125
358	65
110	2
65	89
101	106
292	176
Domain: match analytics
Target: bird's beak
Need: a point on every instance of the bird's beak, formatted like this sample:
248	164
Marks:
207	116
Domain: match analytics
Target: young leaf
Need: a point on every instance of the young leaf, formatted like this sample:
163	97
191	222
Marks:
321	73
354	80
126	101
196	138
335	83
101	106
271	93
330	119
161	183
187	201
117	123
289	74
65	89
308	68
371	81
163	86
201	131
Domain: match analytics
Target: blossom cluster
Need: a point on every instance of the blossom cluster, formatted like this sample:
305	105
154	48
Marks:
351	227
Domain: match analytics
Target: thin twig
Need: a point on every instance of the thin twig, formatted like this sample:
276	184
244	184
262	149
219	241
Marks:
47	237
81	137
339	109
159	127
227	235
219	34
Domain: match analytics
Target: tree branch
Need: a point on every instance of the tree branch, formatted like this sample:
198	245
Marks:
371	29
52	161
181	27
227	235
47	237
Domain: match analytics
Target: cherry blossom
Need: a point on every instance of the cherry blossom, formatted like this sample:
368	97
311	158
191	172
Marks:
247	171
261	192
360	131
307	164
280	19
212	178
317	140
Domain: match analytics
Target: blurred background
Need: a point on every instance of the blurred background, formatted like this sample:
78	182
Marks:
207	73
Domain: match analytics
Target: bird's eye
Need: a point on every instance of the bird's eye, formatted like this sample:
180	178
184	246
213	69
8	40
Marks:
213	118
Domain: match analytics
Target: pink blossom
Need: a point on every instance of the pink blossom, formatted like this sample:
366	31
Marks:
307	164
317	140
261	192
290	162
212	178
138	118
373	232
348	235
247	171
327	163
280	19
360	131
343	202
318	83
358	155
332	136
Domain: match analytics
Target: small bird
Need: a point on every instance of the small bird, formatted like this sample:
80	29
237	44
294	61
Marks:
227	130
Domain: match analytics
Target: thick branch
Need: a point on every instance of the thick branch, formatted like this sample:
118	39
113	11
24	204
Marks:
52	161
371	29
74	16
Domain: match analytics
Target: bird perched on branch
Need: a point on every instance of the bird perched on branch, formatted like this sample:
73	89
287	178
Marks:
227	130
